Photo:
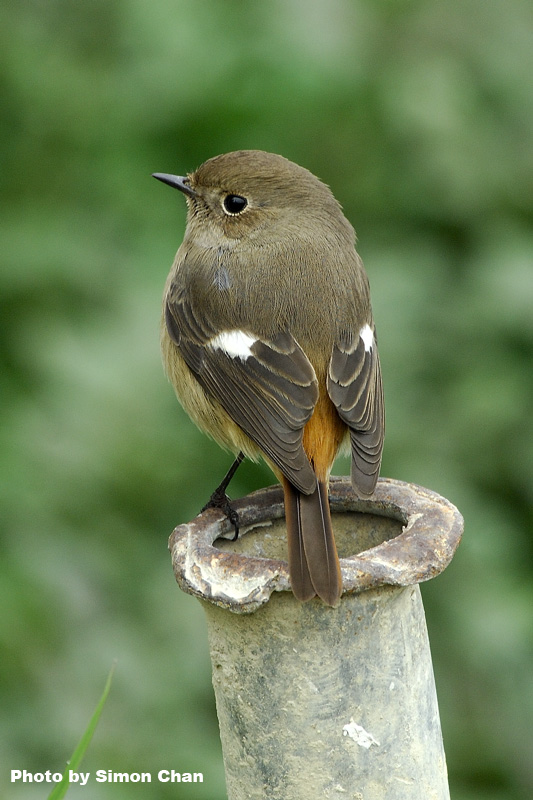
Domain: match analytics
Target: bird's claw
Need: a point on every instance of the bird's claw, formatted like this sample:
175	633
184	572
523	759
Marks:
219	499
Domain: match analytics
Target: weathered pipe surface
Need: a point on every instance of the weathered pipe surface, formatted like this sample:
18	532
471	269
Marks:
315	702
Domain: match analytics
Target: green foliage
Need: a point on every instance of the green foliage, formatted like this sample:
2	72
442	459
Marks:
419	116
75	760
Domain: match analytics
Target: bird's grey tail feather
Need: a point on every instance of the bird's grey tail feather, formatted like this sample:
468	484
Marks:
313	560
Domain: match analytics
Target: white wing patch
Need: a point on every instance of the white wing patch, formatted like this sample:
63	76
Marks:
235	344
367	336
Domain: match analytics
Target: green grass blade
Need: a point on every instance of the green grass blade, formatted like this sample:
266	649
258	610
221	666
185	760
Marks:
75	760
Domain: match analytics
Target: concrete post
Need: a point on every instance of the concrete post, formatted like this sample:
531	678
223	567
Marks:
315	702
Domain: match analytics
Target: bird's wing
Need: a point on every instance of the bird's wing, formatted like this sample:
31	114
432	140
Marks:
355	388
268	388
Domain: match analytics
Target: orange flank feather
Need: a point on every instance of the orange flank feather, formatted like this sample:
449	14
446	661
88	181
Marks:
323	435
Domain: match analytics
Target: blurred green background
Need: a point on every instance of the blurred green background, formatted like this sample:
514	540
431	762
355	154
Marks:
419	115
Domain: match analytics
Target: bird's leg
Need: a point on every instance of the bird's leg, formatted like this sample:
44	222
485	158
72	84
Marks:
219	498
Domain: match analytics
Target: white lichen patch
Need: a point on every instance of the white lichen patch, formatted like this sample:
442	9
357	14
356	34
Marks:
359	735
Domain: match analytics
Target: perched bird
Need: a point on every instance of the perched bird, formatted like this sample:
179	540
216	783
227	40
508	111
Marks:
268	339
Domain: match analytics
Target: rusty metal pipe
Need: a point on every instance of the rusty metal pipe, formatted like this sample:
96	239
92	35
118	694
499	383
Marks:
315	702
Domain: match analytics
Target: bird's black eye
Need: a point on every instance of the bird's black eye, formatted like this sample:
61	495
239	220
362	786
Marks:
234	204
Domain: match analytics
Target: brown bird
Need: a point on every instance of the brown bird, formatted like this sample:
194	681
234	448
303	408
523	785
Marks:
268	339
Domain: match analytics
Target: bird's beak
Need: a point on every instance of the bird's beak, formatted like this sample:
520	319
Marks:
177	181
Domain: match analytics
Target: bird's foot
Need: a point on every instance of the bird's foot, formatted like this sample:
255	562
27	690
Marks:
219	499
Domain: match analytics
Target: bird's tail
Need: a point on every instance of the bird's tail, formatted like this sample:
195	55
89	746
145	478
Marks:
313	561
